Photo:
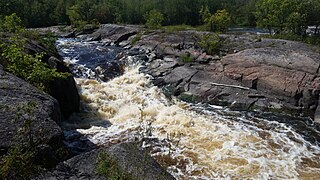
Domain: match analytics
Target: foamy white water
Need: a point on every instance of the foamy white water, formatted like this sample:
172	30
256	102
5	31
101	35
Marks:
193	145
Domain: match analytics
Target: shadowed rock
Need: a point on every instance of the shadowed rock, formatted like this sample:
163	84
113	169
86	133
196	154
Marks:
131	161
29	117
64	90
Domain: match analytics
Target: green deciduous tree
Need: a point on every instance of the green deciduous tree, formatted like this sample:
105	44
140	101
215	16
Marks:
15	60
220	21
205	14
283	16
11	24
154	19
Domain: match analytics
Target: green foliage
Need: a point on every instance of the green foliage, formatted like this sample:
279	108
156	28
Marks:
186	58
136	38
26	66
74	14
81	17
18	164
220	21
268	13
109	168
285	16
11	24
295	23
153	19
205	14
211	43
176	28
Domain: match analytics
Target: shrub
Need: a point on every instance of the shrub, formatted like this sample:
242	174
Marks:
186	58
153	19
220	21
26	66
211	43
136	38
11	24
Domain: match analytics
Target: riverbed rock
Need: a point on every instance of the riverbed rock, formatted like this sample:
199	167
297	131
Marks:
248	73
126	156
29	117
114	33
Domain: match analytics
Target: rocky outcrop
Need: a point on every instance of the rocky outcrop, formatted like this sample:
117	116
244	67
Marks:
135	164
114	33
249	72
64	90
29	117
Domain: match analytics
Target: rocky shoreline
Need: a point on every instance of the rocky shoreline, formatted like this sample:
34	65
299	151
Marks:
247	73
31	123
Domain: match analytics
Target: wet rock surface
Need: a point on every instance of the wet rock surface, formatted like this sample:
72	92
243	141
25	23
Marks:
133	162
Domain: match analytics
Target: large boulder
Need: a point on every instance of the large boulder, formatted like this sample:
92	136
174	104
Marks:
114	33
128	160
29	117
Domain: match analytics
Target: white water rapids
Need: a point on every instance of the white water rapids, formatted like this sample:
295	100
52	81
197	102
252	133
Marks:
190	144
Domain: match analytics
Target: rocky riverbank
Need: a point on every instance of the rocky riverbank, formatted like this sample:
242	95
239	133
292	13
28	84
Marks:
246	73
33	140
30	121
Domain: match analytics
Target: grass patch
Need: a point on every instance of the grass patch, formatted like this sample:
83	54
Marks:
177	28
186	58
18	164
136	38
109	168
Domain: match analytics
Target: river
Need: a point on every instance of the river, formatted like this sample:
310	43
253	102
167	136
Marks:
192	141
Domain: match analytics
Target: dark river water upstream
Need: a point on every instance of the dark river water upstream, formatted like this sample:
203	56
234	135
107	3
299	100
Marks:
193	141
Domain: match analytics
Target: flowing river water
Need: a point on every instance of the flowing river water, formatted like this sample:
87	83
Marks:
192	141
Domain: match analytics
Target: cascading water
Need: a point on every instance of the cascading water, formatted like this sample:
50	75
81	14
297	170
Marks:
192	142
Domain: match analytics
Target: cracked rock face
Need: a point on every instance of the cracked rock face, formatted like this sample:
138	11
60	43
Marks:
267	74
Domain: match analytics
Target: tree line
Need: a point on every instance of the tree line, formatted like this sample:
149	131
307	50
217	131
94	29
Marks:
277	15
